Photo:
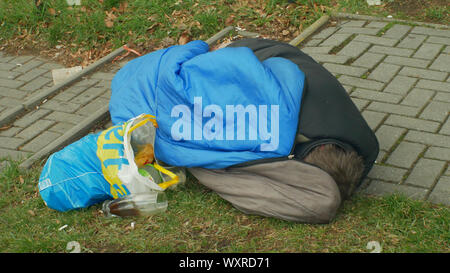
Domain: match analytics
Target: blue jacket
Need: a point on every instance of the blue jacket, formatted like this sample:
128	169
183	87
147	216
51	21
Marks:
214	109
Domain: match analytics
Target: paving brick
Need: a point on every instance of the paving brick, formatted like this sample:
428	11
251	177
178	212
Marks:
61	127
28	66
61	106
373	119
11	143
434	85
354	23
10	83
400	85
428	138
412	41
358	82
425	172
446	50
88	95
438	40
35	84
428	51
381	188
21	59
376	95
360	103
441	96
404	52
368	60
10	132
65	96
12	93
8	75
65	117
354	49
328	58
387	136
40	141
441	192
376	40
325	33
313	42
423	73
51	66
345	69
106	94
445	130
358	30
431	31
412	123
420	63
442	63
30	75
14	155
10	102
376	24
31	117
387	173
76	89
93	106
7	67
394	108
335	39
86	82
384	72
104	75
438	153
317	49
35	129
436	110
396	31
381	155
405	154
418	97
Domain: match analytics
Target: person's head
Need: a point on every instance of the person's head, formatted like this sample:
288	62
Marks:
345	167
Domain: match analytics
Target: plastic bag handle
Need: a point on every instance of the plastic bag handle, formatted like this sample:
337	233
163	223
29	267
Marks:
142	122
175	179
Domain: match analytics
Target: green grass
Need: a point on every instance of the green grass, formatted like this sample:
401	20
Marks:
145	24
198	220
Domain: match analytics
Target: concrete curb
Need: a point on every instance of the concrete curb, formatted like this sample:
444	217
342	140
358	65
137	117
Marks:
71	135
310	30
374	18
27	105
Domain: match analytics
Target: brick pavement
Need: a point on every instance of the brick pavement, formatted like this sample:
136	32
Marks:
398	77
396	74
21	77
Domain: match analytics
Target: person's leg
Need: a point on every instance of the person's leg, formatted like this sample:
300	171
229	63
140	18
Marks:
288	190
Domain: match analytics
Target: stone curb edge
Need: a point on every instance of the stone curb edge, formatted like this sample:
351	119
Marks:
12	113
71	135
310	30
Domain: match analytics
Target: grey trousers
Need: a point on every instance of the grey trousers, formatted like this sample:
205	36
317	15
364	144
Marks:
289	190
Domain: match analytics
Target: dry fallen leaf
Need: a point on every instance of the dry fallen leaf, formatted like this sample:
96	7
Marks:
184	39
31	212
52	11
21	180
285	32
109	23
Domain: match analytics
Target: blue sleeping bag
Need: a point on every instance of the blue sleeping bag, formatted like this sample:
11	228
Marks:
214	109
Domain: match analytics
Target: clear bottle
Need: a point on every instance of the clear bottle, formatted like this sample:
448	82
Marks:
141	204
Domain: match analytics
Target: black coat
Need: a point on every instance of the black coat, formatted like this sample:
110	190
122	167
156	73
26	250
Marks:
327	113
